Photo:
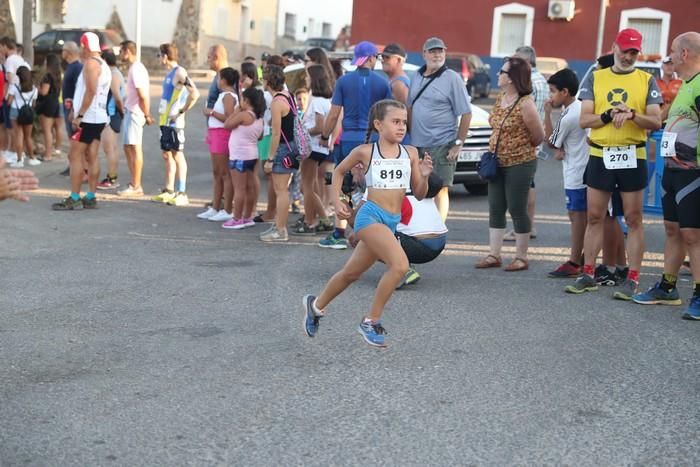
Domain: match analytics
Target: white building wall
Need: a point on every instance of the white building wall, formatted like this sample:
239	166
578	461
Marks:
311	14
159	17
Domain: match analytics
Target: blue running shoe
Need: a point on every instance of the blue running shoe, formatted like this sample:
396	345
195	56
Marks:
658	296
311	319
373	333
693	309
333	243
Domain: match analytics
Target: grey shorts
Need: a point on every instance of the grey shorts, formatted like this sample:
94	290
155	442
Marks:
132	128
441	166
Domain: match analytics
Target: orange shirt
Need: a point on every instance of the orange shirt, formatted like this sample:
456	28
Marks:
669	91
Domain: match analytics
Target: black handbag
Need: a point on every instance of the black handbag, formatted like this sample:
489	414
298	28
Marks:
487	168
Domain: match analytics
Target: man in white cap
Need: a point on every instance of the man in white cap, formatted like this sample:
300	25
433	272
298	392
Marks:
437	98
89	119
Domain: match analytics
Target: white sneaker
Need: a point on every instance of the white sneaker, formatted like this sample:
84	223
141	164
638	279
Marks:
33	161
10	157
208	213
221	216
17	164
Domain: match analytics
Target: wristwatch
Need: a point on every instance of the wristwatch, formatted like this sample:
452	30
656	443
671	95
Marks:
80	116
459	142
324	138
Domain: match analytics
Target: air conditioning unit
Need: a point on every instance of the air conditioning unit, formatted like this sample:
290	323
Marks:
561	9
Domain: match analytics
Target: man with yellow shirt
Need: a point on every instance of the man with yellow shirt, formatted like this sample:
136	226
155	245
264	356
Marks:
619	104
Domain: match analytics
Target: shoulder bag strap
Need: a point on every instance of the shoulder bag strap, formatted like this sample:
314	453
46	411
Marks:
425	86
498	140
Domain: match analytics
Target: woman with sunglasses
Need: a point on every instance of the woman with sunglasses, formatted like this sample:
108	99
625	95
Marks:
517	131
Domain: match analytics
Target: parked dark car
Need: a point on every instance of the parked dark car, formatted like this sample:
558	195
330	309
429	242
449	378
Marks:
474	72
327	43
52	41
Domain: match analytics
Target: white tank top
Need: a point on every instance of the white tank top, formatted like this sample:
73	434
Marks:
214	122
389	173
97	112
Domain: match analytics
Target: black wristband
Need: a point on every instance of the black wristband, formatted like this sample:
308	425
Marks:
324	138
606	117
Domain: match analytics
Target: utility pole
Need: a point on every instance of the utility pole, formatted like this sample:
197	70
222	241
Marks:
601	27
138	29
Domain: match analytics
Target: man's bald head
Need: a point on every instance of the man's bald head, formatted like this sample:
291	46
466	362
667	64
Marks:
70	52
685	54
217	57
690	41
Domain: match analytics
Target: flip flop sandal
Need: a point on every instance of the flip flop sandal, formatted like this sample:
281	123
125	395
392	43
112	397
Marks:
490	261
514	266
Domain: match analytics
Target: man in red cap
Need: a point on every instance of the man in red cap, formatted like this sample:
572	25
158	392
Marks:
619	104
89	119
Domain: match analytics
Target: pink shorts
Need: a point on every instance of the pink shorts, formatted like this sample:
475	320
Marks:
217	140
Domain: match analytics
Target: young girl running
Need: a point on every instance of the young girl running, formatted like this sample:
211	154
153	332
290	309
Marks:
218	140
19	97
390	169
246	126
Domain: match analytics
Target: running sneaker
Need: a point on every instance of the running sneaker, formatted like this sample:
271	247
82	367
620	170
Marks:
325	226
33	161
180	199
274	235
584	283
221	216
693	309
163	197
68	204
626	290
685	269
373	333
334	243
89	203
311	319
235	224
621	275
304	230
411	277
207	214
17	164
604	277
108	184
566	270
658	296
248	222
130	191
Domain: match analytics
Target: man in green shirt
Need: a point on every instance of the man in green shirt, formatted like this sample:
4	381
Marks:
680	147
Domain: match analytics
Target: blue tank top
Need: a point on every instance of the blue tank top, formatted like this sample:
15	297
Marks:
111	105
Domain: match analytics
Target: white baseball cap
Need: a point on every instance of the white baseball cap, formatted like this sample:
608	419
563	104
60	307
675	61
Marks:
90	41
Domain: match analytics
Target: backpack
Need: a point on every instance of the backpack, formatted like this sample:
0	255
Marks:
25	115
302	139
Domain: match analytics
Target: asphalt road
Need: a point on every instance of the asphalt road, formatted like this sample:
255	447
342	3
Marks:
139	335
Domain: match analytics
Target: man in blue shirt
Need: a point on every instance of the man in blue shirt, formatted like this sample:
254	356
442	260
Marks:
355	93
70	77
217	58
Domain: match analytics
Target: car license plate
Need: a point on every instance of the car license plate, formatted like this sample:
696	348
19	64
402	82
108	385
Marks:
469	156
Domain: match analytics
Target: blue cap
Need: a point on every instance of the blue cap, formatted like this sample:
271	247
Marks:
363	51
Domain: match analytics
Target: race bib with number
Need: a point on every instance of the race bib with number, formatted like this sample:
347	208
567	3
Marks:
391	173
620	157
668	144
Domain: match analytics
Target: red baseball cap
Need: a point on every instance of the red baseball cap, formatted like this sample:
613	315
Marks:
629	39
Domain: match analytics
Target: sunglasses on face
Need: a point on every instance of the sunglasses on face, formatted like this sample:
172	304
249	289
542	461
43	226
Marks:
502	72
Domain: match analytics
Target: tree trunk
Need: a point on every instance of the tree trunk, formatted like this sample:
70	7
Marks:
6	23
187	32
27	20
